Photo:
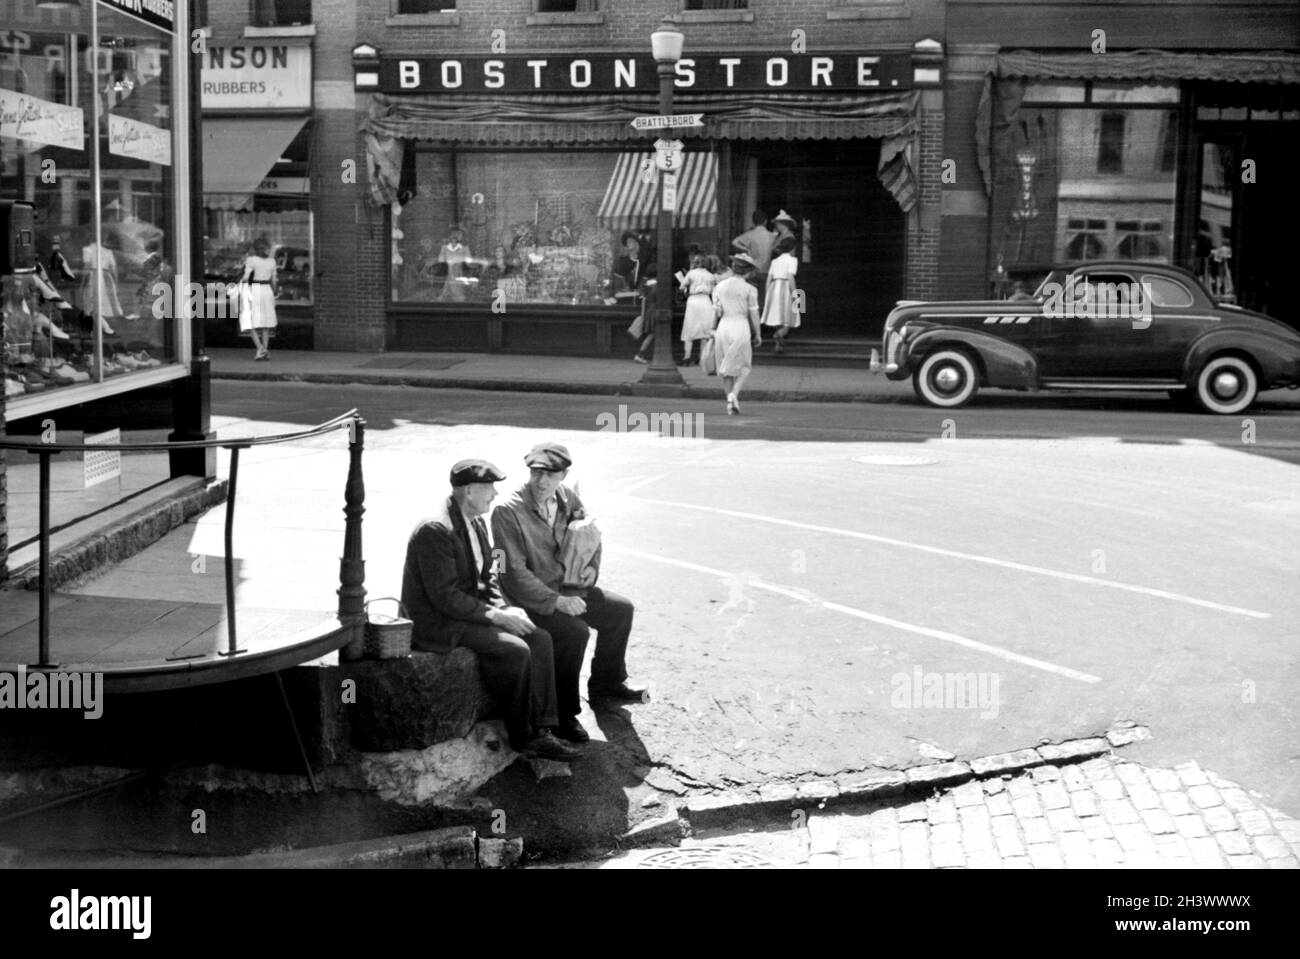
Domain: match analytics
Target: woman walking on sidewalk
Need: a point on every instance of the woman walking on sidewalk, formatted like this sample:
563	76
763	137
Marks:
697	324
737	331
257	301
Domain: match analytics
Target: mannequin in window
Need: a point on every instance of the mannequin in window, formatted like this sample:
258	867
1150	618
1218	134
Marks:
454	253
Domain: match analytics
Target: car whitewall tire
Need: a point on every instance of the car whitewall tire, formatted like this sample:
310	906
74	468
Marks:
947	379
1226	385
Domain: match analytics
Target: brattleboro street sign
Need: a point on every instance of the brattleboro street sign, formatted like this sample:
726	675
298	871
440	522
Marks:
677	121
569	73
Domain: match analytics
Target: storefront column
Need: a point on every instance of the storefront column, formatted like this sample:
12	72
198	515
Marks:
923	221
964	228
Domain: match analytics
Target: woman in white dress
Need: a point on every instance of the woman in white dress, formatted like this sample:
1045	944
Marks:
779	307
257	303
735	301
698	321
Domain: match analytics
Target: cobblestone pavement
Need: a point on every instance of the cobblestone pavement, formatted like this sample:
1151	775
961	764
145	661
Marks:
1104	812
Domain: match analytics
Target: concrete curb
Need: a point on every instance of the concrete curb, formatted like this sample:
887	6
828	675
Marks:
122	539
456	847
718	809
542	386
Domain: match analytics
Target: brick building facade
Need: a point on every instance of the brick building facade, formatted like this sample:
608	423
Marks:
390	284
1123	130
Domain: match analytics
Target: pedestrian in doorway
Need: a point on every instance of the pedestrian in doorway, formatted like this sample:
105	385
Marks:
737	330
697	324
630	281
257	299
758	242
780	309
784	225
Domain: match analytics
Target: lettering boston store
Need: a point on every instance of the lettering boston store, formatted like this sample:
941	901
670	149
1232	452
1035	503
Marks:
521	199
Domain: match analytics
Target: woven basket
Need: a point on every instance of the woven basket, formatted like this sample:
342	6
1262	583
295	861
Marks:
387	637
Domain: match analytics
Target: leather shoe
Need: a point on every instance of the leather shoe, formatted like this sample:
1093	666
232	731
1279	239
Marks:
572	731
545	746
623	692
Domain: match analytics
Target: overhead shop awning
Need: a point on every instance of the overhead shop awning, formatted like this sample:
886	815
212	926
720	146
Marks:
1260	67
568	120
630	201
238	153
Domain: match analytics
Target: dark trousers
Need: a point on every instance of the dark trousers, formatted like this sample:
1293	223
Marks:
610	615
520	675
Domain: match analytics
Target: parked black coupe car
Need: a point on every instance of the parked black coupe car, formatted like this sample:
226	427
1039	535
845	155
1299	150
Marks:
1094	326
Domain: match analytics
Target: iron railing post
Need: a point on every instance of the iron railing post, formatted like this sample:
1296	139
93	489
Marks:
352	566
232	638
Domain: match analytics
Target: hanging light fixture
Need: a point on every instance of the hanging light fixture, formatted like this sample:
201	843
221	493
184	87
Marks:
59	4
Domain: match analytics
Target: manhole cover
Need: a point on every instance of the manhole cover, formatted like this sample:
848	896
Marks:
888	459
706	857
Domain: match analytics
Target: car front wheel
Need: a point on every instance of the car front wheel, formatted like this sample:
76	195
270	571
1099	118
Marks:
1226	385
947	379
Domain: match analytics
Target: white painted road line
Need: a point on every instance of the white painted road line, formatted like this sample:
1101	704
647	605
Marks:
639	483
804	596
972	557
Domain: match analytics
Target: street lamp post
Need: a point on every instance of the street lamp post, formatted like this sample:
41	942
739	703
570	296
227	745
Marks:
666	45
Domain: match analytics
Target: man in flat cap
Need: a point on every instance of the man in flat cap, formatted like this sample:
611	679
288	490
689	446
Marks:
450	591
531	526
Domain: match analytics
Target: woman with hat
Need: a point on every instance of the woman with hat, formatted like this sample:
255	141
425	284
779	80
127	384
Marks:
736	332
780	309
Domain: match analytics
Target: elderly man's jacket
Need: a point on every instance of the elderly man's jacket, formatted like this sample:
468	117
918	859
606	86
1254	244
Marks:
534	566
441	590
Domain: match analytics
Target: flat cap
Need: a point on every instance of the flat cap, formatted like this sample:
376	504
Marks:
475	471
549	456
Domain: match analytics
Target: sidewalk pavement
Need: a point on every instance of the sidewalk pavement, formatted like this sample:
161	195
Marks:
772	380
1104	812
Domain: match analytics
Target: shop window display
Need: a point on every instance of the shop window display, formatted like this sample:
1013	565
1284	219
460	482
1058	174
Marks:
1074	183
517	228
91	311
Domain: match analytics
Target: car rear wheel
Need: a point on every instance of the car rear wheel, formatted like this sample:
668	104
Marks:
1226	385
947	379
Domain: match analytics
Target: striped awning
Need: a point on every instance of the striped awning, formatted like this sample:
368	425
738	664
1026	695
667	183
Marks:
634	188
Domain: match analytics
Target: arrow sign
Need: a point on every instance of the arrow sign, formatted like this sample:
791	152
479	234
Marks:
677	121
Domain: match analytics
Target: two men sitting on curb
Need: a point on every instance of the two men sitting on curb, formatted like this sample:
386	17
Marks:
530	657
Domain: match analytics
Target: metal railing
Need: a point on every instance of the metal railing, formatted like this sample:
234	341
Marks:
351	592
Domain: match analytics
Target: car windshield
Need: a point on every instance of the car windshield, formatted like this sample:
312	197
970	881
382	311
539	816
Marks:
1053	276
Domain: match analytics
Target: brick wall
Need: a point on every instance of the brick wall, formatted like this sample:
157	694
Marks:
628	24
923	223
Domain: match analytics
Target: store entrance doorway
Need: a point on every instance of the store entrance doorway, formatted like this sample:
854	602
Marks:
853	250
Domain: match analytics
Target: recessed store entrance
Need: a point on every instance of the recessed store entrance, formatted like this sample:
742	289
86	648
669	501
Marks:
855	232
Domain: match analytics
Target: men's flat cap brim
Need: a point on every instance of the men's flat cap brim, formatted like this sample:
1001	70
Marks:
475	471
549	456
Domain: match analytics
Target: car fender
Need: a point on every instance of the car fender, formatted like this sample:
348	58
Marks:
1004	364
1277	357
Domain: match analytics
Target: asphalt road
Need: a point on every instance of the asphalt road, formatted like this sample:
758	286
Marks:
824	588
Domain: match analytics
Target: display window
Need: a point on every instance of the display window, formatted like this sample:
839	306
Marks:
1095	179
86	134
556	227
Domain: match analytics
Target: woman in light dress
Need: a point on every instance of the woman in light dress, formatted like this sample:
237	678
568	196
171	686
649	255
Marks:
698	321
257	303
779	307
737	332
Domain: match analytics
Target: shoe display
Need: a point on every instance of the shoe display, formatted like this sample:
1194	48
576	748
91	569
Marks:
545	746
624	692
572	731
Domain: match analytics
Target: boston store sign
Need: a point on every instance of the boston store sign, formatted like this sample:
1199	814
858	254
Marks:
832	72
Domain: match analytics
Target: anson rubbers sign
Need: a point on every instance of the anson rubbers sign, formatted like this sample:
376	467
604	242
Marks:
261	76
